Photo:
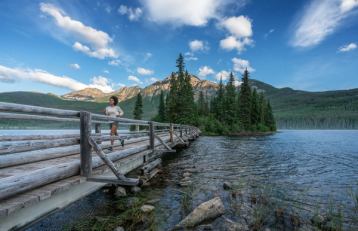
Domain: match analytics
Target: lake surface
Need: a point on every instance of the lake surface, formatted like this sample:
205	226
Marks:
302	171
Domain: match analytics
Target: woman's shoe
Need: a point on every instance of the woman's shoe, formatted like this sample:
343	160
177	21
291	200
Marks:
110	148
122	142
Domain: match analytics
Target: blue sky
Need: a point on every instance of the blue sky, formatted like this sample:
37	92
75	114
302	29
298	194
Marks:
61	46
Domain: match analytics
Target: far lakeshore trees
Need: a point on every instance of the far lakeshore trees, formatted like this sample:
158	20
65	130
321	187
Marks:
234	109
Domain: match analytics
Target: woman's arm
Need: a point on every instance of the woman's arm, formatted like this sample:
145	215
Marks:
120	111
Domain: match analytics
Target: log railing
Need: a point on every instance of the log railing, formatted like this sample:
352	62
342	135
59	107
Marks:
24	149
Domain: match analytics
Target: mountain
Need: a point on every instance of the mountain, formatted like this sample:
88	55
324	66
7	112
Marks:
125	93
293	109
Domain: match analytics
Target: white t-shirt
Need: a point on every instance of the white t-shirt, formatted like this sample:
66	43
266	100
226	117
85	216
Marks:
114	111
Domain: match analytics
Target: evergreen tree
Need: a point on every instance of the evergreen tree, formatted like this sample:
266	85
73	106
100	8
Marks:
255	110
245	102
269	118
161	109
138	108
218	102
137	111
230	101
172	99
262	108
181	106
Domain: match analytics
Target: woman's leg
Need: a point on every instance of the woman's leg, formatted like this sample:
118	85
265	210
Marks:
113	132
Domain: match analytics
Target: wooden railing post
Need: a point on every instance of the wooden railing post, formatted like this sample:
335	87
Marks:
181	132
97	127
151	135
85	146
171	133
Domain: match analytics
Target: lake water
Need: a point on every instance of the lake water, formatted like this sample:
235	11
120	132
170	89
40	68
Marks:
302	172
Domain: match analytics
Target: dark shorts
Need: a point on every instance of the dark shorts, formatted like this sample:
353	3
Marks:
114	123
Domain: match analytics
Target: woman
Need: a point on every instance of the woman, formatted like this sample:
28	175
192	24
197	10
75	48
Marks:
113	110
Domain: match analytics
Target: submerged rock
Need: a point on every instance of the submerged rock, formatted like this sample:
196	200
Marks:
153	201
207	210
186	174
120	192
227	185
135	189
234	226
119	228
147	208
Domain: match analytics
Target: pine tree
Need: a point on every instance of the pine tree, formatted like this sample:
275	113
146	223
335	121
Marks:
269	118
137	111
161	109
218	102
138	108
172	99
262	108
230	101
245	102
255	110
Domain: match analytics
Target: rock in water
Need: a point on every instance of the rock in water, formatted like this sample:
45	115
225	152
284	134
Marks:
119	228
207	210
227	185
147	208
120	192
135	189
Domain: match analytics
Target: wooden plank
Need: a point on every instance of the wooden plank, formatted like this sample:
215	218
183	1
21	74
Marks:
162	142
151	135
115	180
150	166
85	146
37	137
5	115
36	145
35	109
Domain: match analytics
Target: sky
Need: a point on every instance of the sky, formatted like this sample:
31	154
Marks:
64	46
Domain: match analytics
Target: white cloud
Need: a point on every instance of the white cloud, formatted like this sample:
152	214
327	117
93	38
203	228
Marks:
347	5
205	71
99	53
42	76
240	29
10	75
319	20
189	56
101	83
231	43
198	45
135	79
97	42
151	80
238	26
224	75
133	13
240	65
114	62
176	12
348	47
75	66
143	71
106	71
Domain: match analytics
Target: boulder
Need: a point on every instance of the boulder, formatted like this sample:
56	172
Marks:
227	185
119	228
120	192
135	189
147	208
207	210
234	226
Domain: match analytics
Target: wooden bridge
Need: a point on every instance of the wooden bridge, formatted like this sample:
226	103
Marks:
40	174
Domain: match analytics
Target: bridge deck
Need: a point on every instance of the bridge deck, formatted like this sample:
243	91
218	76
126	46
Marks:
48	172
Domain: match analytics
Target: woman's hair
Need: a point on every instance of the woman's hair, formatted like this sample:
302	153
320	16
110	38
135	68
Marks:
115	99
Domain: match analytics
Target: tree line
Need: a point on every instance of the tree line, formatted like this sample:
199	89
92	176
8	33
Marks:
231	111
